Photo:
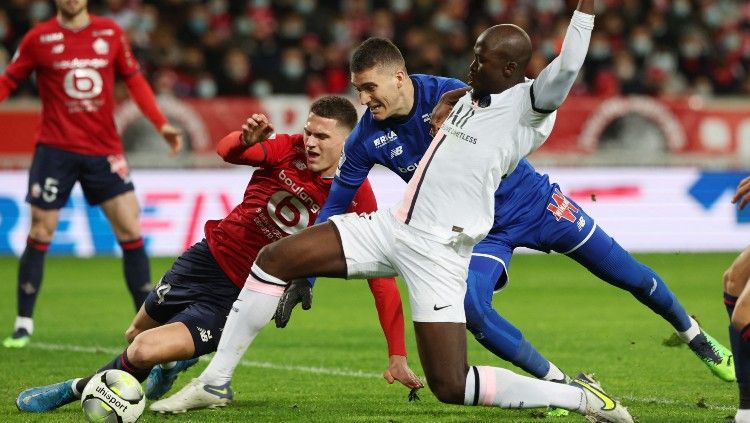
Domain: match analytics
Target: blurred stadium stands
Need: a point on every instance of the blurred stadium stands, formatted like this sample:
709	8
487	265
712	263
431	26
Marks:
689	59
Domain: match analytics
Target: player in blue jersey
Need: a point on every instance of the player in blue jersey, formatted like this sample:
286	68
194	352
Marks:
530	212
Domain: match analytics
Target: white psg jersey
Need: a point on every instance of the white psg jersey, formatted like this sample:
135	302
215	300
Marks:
452	194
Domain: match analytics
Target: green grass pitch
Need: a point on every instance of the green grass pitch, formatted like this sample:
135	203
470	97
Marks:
325	367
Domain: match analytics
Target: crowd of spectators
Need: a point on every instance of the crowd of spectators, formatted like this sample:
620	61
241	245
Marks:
263	47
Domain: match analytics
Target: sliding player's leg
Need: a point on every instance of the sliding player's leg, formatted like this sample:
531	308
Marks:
605	258
488	272
737	301
312	251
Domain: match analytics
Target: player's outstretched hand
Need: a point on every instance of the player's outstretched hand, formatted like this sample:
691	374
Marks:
173	136
256	129
743	193
398	370
298	291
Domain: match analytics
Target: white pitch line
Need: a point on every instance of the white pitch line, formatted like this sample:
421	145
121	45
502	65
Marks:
330	371
245	363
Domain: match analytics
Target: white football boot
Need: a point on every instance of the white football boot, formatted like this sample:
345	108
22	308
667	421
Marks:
195	394
600	406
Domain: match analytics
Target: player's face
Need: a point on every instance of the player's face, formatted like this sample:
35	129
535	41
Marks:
71	8
324	139
378	89
485	72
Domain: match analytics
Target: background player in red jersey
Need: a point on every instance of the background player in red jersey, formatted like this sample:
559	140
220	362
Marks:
76	56
185	313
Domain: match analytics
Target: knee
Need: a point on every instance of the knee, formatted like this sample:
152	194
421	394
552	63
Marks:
141	352
448	391
267	259
734	283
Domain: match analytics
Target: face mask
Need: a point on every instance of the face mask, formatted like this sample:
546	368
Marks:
401	6
641	45
206	88
261	88
305	6
293	69
599	50
494	7
198	25
681	8
690	50
243	26
40	10
147	23
260	4
3	31
217	7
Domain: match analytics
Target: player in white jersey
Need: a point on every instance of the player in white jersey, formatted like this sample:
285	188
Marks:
448	207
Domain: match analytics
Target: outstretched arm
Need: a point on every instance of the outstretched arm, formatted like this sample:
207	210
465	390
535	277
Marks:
143	96
246	147
554	82
391	316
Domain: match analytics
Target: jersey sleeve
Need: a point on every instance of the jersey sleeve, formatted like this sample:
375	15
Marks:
364	200
352	171
20	66
390	313
231	150
125	63
450	84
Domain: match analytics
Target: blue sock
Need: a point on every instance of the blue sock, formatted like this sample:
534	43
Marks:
491	330
605	258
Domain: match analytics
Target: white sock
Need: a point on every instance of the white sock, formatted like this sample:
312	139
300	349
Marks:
502	388
167	366
24	322
691	332
251	312
742	416
554	374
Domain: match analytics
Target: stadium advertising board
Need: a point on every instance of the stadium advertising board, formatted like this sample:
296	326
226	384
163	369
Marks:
660	209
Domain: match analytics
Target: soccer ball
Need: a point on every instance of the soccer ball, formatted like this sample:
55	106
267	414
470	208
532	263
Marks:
113	396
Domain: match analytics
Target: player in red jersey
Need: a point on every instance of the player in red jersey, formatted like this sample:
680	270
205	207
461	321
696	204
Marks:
184	315
75	57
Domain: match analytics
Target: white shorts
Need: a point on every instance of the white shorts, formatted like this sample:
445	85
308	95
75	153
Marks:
377	245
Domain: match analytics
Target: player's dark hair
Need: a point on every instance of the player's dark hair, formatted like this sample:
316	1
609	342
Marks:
335	107
376	51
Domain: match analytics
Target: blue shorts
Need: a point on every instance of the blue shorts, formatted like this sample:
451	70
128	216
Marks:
54	172
554	223
196	292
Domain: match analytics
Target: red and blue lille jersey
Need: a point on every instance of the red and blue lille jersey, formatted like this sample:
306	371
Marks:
282	198
75	72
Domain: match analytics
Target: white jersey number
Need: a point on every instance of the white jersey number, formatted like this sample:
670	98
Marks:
83	83
288	212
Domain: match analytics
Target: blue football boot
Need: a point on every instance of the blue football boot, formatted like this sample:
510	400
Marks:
160	380
46	398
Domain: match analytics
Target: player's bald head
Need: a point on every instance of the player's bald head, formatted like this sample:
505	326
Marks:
509	41
501	55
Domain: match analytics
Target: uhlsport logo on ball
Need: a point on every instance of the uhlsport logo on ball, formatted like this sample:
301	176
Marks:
113	396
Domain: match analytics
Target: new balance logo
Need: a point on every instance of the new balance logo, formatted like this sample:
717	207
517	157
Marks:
436	308
397	151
